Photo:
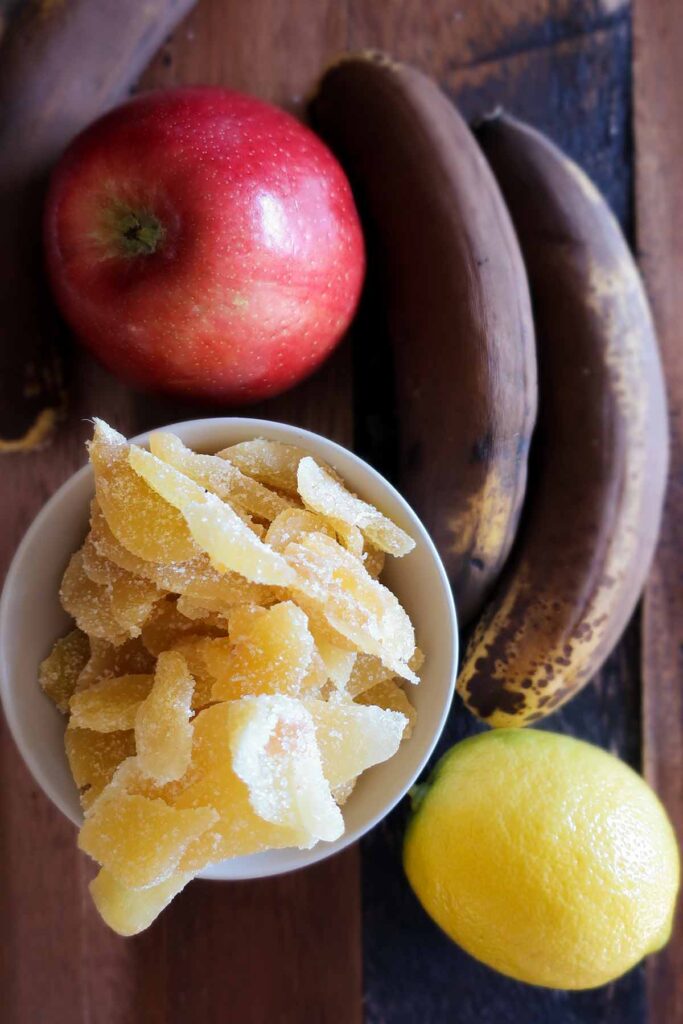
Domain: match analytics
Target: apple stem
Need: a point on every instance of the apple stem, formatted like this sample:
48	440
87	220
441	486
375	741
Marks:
140	234
131	232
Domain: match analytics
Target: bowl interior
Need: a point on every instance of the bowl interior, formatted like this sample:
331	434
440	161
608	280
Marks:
31	619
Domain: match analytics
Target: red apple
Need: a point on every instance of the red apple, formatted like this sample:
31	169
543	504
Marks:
204	243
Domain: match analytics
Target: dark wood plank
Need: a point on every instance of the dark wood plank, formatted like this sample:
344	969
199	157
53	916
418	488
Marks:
442	36
658	85
264	952
578	91
44	951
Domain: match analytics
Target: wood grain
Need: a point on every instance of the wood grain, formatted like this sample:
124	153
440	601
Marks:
442	36
658	84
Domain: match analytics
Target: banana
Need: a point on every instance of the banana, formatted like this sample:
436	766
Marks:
452	281
599	458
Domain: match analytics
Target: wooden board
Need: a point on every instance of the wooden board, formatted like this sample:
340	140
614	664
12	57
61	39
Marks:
289	950
658	85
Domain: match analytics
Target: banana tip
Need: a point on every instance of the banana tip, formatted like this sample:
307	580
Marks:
369	56
495	114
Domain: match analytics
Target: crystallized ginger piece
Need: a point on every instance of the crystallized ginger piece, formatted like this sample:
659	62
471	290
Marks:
195	579
163	732
132	597
205	657
271	462
240	830
231	546
352	738
216	528
368	671
273	656
293	524
325	495
106	661
129	778
130	911
109	705
317	621
110	601
191	609
373	560
140	519
94	757
342	793
349	536
417	659
316	678
338	662
99	568
169	483
273	794
132	601
140	841
59	672
392	697
167	627
242	618
89	603
274	751
219	591
219	476
353	604
105	545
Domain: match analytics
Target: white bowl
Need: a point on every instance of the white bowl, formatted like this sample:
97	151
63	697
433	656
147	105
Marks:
31	619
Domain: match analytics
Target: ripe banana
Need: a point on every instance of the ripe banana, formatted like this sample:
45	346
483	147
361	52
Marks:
599	458
441	244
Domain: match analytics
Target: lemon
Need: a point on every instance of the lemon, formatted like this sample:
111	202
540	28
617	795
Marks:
544	857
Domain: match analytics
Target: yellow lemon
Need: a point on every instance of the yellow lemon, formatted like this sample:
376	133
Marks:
544	857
